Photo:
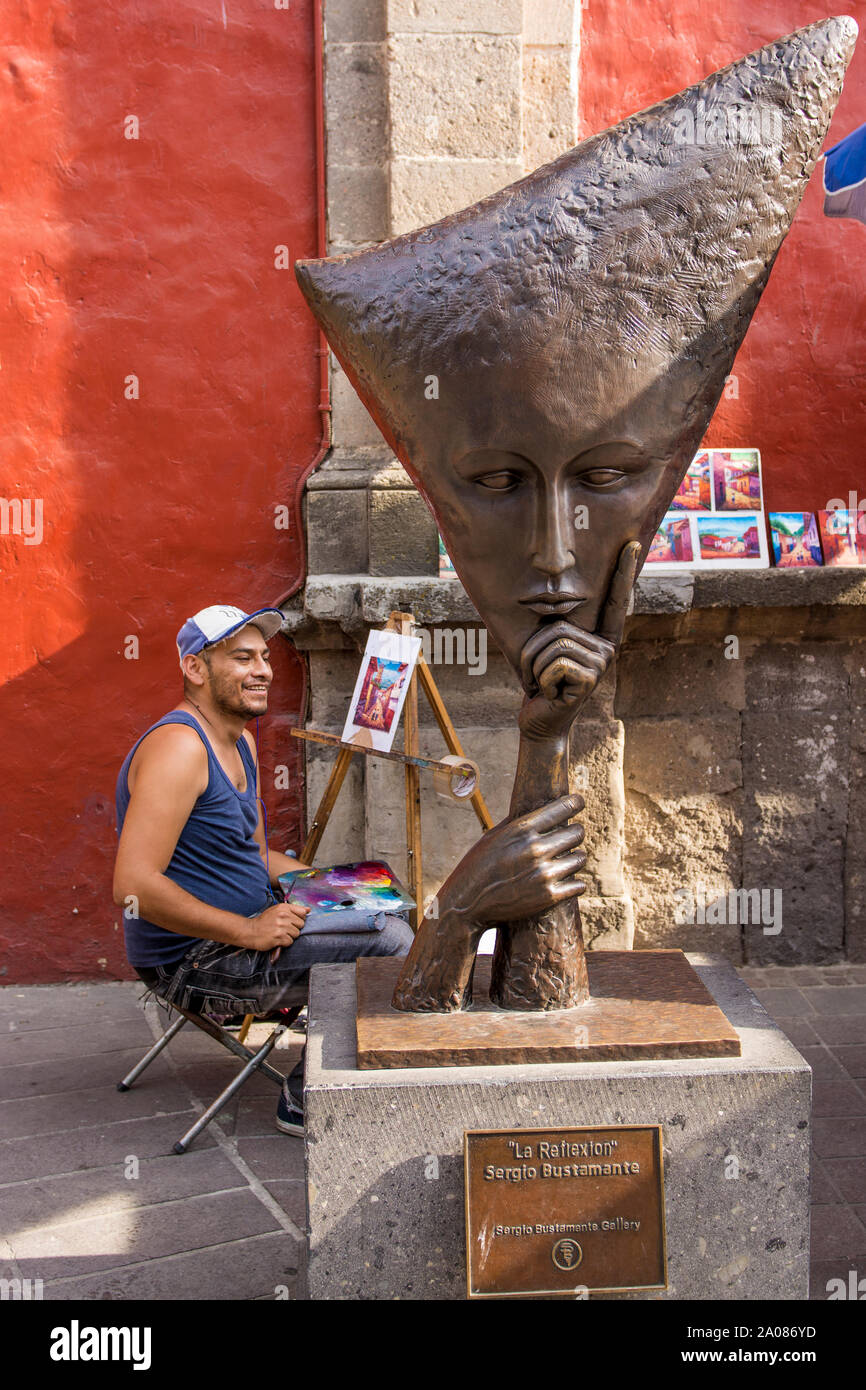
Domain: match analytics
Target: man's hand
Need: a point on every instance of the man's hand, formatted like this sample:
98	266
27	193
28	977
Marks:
278	926
561	664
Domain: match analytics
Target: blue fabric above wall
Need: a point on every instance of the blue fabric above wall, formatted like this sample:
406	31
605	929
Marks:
845	177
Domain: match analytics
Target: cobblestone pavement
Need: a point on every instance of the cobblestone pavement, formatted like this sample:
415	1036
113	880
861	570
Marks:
822	1009
94	1203
96	1206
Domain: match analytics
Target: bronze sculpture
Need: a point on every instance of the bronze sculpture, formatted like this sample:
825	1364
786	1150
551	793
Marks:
579	326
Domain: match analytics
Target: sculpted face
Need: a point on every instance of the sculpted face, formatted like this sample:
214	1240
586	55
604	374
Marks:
580	325
540	481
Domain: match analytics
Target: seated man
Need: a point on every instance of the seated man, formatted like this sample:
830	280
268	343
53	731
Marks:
204	919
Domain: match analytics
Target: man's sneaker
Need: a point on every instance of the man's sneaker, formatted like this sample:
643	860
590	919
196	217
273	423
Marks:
290	1120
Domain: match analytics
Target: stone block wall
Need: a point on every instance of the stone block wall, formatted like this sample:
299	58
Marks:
722	760
743	767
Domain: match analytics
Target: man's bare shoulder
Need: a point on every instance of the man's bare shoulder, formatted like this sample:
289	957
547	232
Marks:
174	748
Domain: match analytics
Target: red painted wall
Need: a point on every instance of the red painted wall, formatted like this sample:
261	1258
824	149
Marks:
802	369
155	258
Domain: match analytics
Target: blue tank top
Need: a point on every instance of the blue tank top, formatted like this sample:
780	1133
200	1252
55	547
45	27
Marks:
216	858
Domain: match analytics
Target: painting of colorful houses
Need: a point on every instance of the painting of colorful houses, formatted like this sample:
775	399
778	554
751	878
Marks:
736	479
380	694
672	543
694	493
380	689
842	539
732	539
796	544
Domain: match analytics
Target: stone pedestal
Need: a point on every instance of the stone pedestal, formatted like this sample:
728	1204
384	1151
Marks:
384	1153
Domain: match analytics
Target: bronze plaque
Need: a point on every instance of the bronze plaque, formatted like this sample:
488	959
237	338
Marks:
564	1211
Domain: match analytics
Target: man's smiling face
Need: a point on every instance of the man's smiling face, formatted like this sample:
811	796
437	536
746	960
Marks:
239	674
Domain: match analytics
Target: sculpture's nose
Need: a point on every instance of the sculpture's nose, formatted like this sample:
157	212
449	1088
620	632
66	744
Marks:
553	537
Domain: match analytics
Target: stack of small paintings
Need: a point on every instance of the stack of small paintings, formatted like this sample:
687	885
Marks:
716	518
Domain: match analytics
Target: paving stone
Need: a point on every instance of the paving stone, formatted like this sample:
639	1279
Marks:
96	1146
273	1157
839	1137
97	1105
790	976
53	1076
206	1077
823	1063
800	1032
42	1006
755	976
44	1201
822	1273
292	1197
848	1176
837	1098
241	1269
82	1040
257	1116
853	1059
784	1003
842	1030
822	1191
800	975
126	1236
837	1233
844	999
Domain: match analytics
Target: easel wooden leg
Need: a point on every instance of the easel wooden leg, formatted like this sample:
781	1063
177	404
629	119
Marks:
449	733
403	623
326	805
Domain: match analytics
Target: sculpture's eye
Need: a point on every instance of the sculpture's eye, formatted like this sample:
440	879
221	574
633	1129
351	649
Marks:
602	477
499	482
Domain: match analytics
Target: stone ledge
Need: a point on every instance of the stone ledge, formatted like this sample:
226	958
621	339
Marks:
369	466
679	591
355	602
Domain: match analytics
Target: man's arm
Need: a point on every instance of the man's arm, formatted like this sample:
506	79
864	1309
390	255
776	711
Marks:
278	863
171	773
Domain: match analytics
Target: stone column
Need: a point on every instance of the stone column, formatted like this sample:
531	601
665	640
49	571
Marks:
431	105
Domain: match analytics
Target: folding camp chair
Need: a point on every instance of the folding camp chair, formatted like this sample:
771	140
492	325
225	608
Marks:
254	1061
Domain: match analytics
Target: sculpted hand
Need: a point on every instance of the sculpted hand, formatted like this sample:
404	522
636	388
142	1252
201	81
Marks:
561	664
520	867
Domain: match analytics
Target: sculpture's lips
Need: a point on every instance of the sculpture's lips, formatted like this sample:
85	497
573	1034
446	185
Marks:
546	604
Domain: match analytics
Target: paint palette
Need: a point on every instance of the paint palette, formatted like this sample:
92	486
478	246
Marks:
367	886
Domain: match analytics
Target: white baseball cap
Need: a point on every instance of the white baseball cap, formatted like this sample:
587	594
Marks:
214	624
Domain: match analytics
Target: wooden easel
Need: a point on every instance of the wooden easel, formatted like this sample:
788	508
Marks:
413	763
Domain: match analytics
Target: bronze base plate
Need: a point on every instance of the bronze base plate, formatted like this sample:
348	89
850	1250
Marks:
642	1005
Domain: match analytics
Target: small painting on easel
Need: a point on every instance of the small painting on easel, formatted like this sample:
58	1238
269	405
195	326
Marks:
380	692
380	689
